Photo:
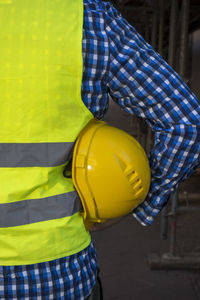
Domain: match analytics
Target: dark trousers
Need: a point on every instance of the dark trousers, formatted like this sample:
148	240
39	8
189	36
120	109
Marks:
97	293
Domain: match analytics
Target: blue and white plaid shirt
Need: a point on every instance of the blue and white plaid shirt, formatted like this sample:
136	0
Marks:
118	62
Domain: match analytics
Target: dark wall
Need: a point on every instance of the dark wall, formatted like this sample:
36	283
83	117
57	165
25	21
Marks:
195	82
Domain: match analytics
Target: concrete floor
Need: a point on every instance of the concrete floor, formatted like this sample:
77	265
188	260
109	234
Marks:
124	248
123	252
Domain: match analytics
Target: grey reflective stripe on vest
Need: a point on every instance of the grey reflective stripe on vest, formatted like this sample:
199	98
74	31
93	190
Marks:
38	210
34	154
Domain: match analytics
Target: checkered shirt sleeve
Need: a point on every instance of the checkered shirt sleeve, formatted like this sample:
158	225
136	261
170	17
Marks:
143	84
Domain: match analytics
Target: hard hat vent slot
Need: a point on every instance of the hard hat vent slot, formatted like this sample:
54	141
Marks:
133	178
136	183
129	171
139	191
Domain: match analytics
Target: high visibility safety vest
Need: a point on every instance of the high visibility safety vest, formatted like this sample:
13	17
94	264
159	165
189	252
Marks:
41	114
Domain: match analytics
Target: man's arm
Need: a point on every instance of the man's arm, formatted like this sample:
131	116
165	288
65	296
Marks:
143	84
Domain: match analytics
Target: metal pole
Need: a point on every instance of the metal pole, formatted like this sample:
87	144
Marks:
174	199
171	61
172	33
154	26
154	45
164	223
147	32
137	130
161	27
148	140
184	36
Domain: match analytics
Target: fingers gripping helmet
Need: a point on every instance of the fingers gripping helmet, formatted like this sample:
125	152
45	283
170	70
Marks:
110	172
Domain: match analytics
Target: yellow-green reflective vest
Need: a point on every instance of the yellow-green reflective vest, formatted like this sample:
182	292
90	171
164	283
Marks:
41	114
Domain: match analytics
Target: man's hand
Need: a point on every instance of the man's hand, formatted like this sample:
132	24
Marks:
104	225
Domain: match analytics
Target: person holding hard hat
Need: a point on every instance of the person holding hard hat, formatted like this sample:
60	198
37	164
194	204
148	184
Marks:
60	63
110	172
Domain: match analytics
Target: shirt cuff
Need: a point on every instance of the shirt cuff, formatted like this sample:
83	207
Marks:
145	214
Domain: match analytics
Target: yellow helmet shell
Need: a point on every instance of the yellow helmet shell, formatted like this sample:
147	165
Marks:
110	171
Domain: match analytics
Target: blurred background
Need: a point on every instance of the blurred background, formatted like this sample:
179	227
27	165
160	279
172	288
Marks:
163	260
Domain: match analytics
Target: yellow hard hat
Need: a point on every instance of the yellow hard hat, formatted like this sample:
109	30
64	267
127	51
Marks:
110	172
